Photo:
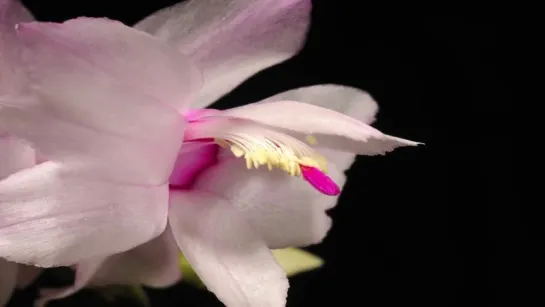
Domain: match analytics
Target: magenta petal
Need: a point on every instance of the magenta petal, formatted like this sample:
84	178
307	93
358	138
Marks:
320	181
194	158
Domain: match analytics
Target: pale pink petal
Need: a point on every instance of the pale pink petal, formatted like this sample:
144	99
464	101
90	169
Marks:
343	99
14	155
232	40
331	129
103	97
85	50
154	264
51	216
230	258
286	211
85	270
8	279
11	76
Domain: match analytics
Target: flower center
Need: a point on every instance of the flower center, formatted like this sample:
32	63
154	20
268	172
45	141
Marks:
277	150
261	145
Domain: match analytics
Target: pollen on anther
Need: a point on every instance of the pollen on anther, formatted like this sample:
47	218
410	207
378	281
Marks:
311	139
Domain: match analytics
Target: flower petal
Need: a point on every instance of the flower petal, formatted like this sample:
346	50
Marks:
226	253
232	40
14	156
347	100
50	216
154	264
85	50
286	211
85	270
8	279
344	99
102	96
331	129
11	13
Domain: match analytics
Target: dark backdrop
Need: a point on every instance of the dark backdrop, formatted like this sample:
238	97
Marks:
425	226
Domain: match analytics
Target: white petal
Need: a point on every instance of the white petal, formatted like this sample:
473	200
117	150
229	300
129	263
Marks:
340	98
229	257
8	279
331	129
154	264
344	99
286	211
232	40
50	216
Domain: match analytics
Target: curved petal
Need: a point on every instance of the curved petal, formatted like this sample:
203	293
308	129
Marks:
102	96
286	211
14	156
50	216
154	264
331	129
87	49
232	40
11	13
226	253
85	270
347	100
8	279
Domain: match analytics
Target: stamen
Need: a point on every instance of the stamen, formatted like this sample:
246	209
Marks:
311	139
261	146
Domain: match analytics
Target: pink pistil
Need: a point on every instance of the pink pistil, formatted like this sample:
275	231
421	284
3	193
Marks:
320	181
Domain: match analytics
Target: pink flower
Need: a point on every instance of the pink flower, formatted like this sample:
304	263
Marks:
14	155
132	171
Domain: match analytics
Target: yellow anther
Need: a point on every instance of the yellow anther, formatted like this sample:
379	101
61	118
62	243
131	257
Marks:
222	143
248	161
237	151
276	155
311	139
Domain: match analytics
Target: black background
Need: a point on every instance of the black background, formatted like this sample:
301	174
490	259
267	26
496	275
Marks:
432	225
